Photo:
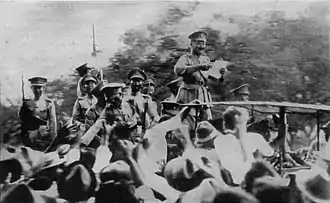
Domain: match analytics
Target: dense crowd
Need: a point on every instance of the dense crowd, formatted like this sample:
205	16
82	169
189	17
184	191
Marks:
117	146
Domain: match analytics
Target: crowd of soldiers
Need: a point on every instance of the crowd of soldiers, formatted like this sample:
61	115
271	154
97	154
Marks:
98	99
131	152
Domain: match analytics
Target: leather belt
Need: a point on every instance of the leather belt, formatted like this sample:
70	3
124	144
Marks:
193	86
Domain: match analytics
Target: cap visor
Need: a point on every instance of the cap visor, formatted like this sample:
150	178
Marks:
38	85
137	76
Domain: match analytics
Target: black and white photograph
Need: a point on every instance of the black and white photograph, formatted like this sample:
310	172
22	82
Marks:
141	101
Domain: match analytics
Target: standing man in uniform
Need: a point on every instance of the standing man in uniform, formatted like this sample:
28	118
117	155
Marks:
189	67
82	70
111	114
139	104
242	93
38	117
148	91
83	103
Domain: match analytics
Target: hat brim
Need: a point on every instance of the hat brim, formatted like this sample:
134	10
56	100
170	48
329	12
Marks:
38	85
88	80
212	136
137	76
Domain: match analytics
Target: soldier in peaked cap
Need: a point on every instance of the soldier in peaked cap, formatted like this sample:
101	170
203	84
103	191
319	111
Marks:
111	114
174	87
83	103
38	117
148	90
82	71
241	93
149	86
189	67
140	105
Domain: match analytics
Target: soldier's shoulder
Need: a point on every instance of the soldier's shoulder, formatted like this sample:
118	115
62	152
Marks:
49	100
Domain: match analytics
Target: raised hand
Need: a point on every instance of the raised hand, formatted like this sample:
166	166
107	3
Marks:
205	66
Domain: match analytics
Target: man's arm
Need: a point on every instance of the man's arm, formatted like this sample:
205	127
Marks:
152	111
88	137
182	67
53	120
90	118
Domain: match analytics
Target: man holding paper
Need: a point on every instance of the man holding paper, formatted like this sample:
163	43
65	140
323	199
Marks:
192	67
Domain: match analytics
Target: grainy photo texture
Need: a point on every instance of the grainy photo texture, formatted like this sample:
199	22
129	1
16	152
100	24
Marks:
164	101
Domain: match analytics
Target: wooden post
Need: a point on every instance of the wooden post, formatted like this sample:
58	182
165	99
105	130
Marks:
282	137
318	129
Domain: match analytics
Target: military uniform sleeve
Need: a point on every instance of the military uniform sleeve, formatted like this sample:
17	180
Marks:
152	111
52	120
76	111
88	137
90	118
180	68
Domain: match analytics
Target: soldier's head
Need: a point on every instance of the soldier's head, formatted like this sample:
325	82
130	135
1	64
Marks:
136	77
83	70
113	93
198	42
241	93
38	86
149	85
89	82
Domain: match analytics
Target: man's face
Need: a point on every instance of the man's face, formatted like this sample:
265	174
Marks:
149	89
198	45
136	84
89	85
38	90
244	97
114	97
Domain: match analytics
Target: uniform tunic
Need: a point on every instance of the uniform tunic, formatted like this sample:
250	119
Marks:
98	130
194	85
92	114
39	125
80	107
136	105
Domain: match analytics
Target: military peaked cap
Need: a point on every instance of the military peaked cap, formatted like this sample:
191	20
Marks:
243	89
38	81
137	73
